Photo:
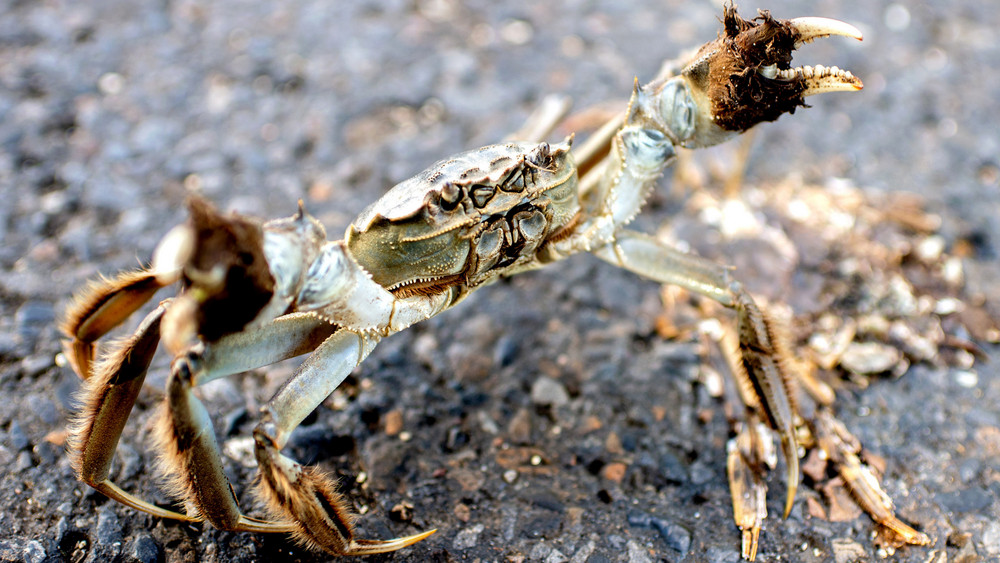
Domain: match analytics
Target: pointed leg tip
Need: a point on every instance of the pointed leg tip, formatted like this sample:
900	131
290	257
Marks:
370	547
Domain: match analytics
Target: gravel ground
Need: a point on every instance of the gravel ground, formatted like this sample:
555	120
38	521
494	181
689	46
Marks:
111	111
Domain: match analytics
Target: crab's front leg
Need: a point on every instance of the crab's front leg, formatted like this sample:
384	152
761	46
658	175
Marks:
733	83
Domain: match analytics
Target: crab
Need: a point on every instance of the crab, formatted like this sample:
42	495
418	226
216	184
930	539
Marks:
254	293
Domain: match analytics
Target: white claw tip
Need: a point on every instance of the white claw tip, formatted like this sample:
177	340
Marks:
810	28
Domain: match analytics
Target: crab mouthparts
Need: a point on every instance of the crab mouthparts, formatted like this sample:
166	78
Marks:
817	79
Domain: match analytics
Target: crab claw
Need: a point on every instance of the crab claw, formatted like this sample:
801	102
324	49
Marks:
745	76
820	79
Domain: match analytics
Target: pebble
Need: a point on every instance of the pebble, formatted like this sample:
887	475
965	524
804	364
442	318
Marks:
583	554
468	537
867	358
846	550
34	552
991	539
637	553
505	351
144	549
677	537
548	391
16	437
109	529
31	318
23	461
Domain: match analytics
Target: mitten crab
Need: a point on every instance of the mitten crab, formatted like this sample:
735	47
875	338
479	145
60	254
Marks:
254	293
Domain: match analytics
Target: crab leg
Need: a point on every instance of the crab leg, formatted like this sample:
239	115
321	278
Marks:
760	353
190	451
107	399
102	307
305	496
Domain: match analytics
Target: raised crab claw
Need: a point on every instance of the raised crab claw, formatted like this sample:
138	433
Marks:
256	293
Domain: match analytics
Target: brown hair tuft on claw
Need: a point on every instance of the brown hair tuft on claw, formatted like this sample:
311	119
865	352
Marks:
727	69
227	270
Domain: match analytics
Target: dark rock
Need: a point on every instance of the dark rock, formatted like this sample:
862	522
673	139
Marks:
143	549
505	351
676	536
16	437
109	529
32	318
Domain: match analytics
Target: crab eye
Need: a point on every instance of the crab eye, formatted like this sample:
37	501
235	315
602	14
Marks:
678	109
451	194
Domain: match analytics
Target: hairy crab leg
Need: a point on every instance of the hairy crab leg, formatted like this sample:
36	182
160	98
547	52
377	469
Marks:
189	449
102	306
304	496
760	352
746	456
108	397
842	449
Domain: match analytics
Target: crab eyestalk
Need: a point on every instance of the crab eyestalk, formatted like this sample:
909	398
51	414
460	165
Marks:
745	76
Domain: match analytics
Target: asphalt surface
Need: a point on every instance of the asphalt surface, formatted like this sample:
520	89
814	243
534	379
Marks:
112	111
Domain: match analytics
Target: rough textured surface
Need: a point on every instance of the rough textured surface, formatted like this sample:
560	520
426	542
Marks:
543	420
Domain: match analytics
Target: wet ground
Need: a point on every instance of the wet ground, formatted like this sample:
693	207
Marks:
111	112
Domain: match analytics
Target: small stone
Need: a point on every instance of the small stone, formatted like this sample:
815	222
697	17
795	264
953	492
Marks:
677	537
555	556
815	509
636	553
23	461
583	554
468	537
967	379
505	352
36	364
539	551
34	552
510	475
814	466
846	550
842	506
869	358
463	512
614	471
31	318
613	444
467	479
393	421
109	529
548	391
144	549
519	428
991	539
16	437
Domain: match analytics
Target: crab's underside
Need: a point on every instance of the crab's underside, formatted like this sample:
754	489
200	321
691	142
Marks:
255	293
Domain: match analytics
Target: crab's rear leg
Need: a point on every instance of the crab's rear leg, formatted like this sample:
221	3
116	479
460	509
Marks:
761	353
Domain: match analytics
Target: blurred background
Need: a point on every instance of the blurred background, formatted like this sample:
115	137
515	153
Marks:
112	112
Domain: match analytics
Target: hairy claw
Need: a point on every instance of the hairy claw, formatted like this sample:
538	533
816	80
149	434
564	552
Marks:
745	76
